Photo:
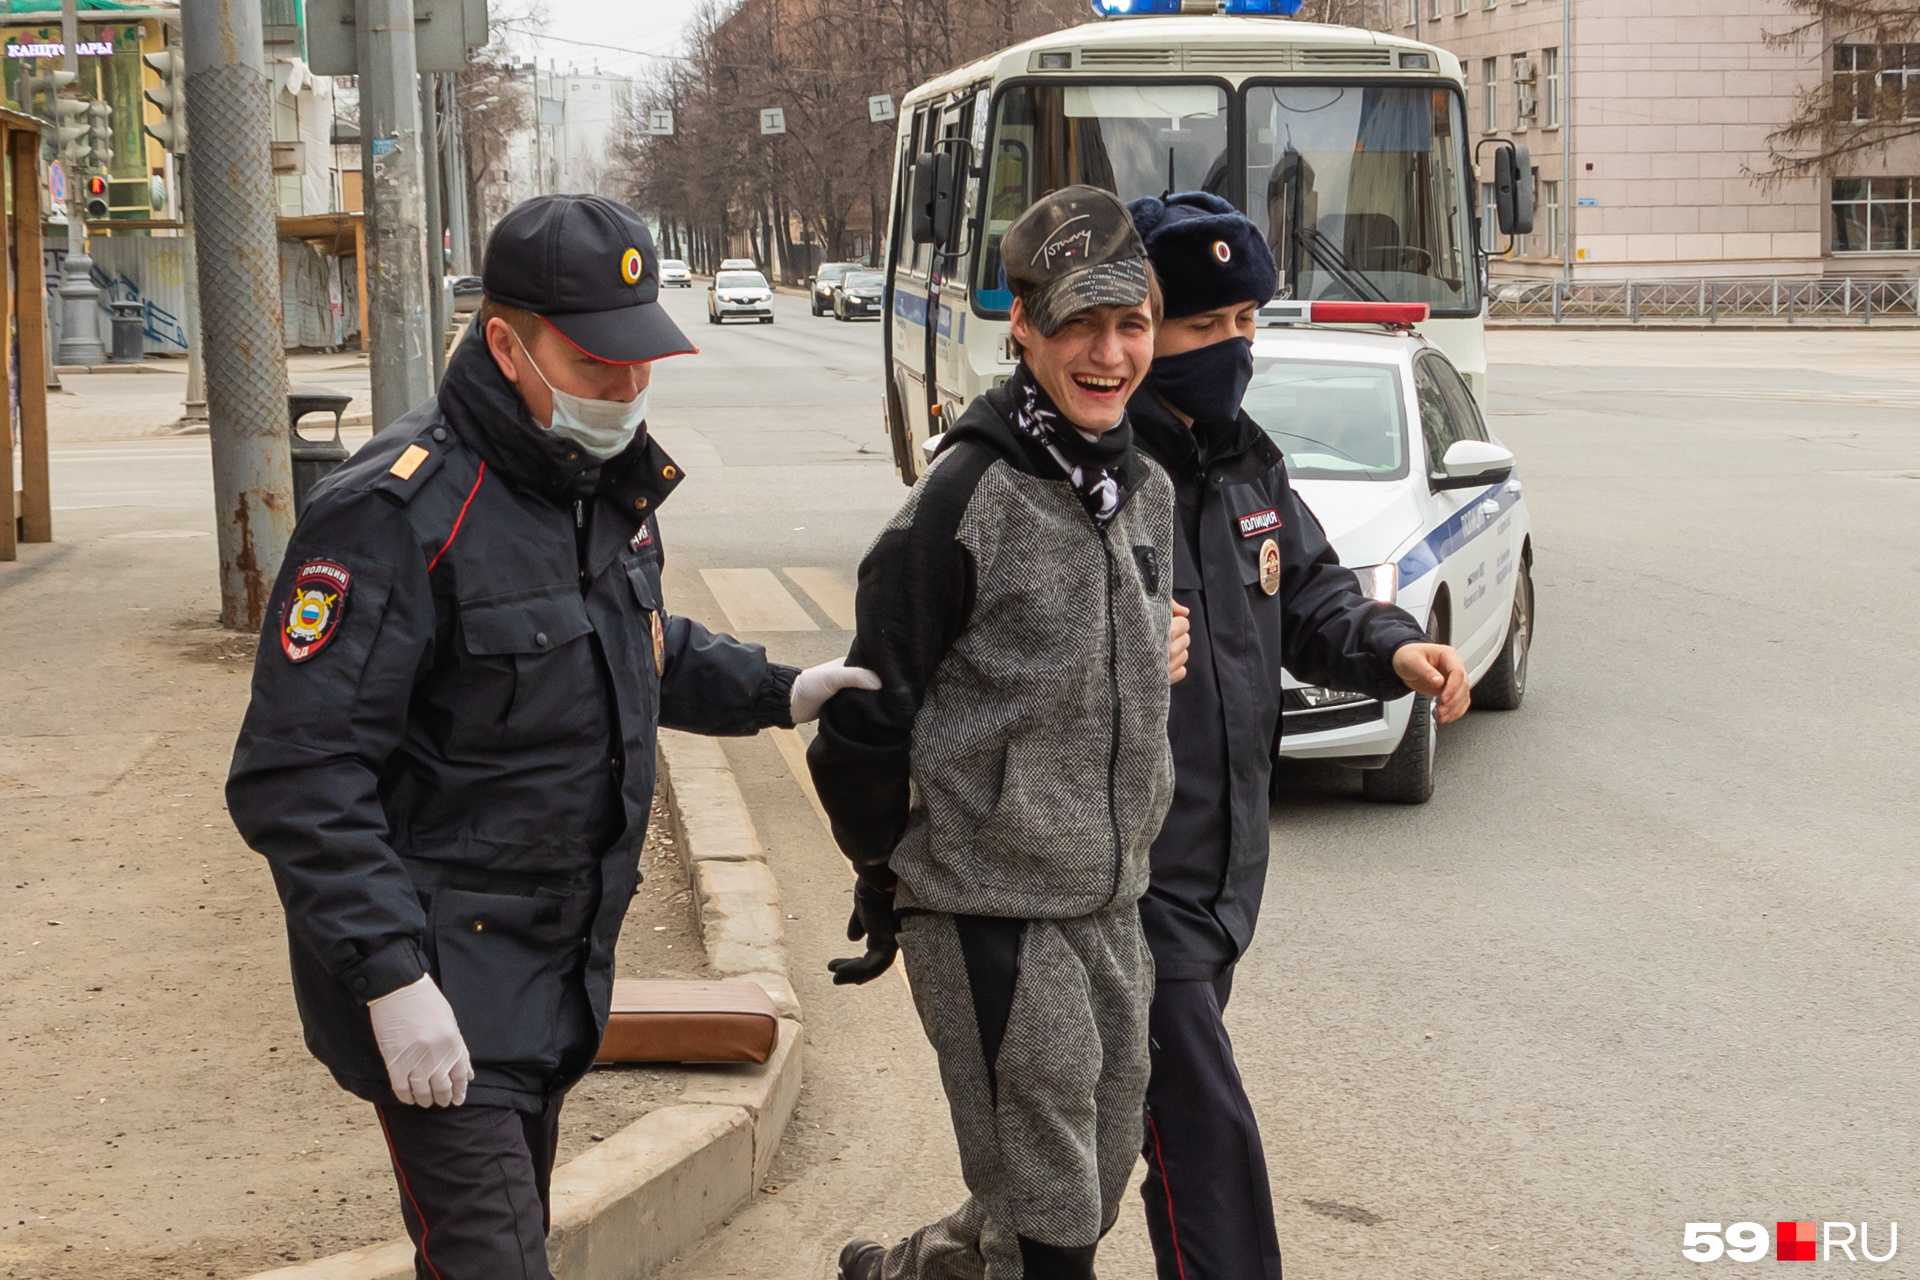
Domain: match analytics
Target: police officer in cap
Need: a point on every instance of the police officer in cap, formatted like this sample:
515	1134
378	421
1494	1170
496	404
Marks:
449	757
1263	589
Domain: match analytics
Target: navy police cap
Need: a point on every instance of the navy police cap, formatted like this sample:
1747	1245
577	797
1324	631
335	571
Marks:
586	265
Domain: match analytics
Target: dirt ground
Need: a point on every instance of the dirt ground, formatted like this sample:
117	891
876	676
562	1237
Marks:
163	1118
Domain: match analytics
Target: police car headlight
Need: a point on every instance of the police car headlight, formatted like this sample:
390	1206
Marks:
1380	582
1315	697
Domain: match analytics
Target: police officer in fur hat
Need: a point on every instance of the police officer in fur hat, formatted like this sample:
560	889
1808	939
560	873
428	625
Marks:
1263	590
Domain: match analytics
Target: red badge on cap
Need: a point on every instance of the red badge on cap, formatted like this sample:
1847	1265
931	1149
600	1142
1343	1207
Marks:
313	610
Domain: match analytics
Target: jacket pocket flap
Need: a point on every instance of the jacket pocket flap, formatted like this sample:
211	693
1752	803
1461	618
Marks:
643	577
539	625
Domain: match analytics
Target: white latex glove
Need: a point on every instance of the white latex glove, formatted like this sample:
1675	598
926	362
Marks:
812	687
420	1040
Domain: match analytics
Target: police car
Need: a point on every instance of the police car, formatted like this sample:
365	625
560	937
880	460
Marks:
1387	446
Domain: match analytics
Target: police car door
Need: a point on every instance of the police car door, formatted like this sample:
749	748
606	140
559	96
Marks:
1460	519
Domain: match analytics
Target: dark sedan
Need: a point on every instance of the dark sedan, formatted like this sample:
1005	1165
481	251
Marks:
861	293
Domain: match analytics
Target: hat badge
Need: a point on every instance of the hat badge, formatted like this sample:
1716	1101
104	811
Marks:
1223	251
630	265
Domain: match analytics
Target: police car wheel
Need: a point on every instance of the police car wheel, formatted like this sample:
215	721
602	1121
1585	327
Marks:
1407	776
1505	684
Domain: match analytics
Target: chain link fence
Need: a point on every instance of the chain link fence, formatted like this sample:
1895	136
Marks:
1826	300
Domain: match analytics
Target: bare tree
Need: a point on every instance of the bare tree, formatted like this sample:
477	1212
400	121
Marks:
1869	98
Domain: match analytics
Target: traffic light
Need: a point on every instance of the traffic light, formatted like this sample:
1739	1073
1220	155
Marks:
170	96
72	130
101	127
50	83
96	197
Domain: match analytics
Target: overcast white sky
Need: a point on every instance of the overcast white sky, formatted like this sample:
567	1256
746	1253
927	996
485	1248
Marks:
615	34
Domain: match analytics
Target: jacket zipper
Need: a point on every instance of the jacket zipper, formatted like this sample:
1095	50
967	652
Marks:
1113	694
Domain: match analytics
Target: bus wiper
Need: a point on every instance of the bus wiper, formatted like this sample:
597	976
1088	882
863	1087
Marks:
1335	264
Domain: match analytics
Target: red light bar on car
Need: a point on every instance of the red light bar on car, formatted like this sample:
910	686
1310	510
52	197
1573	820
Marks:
1369	312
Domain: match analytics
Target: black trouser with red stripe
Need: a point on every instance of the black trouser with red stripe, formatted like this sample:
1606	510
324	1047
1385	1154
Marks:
1209	1209
473	1188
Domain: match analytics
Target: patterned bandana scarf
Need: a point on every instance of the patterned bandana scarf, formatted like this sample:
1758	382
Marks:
1089	465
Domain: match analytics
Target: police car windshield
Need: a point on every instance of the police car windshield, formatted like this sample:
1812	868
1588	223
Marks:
740	280
866	280
1334	420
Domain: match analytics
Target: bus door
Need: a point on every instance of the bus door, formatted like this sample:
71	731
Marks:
963	127
909	335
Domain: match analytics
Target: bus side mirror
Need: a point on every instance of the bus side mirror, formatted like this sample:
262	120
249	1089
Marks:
1513	189
933	202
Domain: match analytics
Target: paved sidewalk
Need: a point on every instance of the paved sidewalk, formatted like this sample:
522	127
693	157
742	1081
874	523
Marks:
117	404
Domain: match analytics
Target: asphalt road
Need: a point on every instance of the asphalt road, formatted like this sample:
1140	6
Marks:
1648	956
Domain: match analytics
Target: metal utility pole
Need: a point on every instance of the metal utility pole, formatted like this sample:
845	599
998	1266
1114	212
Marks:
194	410
401	364
436	233
229	105
457	214
79	306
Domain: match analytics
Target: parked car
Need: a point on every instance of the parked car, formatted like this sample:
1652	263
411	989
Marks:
825	281
467	294
739	264
1386	445
861	293
675	273
735	295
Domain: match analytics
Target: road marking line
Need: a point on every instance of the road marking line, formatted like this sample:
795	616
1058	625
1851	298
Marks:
754	600
830	589
793	749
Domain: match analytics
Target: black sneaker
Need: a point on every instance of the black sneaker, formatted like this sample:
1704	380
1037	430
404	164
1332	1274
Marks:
861	1260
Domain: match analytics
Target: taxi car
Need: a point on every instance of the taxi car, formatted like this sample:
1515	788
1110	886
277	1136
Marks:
1387	447
737	295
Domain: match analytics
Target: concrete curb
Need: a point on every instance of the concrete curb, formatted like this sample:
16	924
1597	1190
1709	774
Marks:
628	1205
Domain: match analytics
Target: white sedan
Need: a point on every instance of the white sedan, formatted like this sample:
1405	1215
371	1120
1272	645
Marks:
675	274
739	295
1386	445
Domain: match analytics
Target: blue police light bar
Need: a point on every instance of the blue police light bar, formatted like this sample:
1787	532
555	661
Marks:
1147	8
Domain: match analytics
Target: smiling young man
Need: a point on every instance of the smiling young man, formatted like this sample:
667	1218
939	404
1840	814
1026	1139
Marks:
998	795
1264	590
448	762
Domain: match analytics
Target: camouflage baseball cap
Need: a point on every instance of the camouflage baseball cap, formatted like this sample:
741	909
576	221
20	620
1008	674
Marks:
1073	249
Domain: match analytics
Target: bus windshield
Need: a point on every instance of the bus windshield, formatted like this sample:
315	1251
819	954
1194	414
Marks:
1133	139
1361	192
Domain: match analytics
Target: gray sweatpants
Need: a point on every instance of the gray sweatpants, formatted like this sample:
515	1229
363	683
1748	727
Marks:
1041	1031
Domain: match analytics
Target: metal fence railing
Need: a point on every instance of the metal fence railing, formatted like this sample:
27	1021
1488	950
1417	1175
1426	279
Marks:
1827	299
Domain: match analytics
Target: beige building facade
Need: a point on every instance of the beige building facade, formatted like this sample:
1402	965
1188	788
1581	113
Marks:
1646	120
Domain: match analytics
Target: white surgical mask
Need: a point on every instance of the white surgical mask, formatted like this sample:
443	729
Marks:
604	428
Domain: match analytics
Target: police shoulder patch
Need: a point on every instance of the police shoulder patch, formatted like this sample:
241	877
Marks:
314	607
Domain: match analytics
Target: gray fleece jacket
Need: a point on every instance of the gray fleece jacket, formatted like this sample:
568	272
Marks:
1015	761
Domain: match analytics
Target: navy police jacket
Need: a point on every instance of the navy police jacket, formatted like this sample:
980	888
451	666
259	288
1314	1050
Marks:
1266	591
448	761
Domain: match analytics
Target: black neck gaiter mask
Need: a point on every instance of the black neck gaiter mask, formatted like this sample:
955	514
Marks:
1207	383
1091	466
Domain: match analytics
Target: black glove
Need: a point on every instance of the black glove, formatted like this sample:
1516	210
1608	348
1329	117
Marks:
873	919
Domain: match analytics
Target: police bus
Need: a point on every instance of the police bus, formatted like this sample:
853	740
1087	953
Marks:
1349	148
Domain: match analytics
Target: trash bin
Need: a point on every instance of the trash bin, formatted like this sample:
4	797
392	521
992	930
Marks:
129	332
313	459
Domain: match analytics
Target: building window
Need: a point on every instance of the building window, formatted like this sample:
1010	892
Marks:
1460	7
1433	10
1487	4
1550	76
1413	13
1490	94
1874	214
1877	82
1522	90
1550	199
1489	219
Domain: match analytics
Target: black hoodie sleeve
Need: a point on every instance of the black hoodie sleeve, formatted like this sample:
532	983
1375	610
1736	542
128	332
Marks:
913	600
1333	635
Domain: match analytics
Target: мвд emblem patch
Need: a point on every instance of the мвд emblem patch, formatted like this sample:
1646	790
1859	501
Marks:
313	610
